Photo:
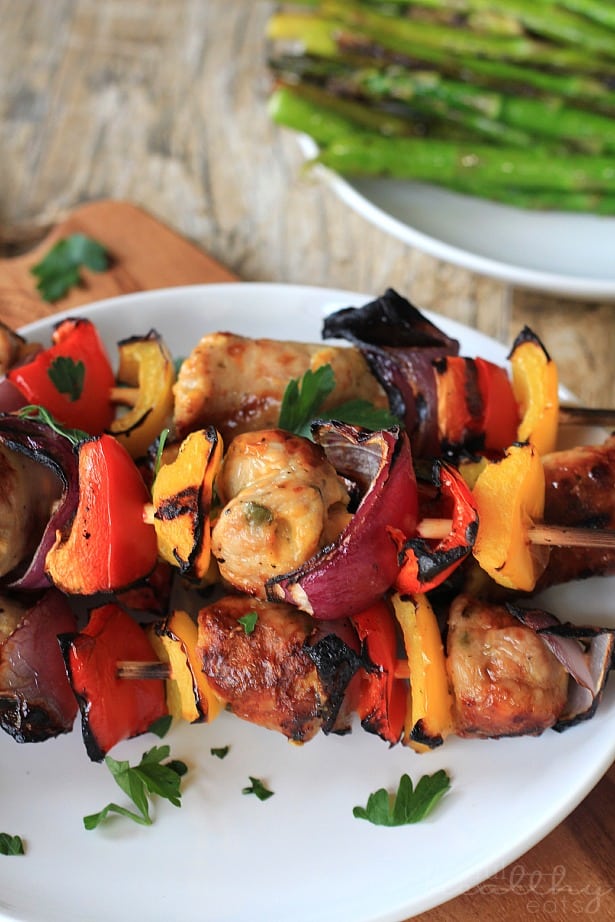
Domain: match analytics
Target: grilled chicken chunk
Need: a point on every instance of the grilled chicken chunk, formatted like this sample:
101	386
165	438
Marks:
580	491
236	383
283	502
505	680
271	676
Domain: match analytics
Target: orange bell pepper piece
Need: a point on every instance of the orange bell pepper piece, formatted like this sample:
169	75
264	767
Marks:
109	545
430	706
535	385
147	369
189	695
510	495
182	495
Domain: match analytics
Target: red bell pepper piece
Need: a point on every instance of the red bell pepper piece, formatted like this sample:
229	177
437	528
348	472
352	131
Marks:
382	695
425	565
72	379
501	412
108	546
112	709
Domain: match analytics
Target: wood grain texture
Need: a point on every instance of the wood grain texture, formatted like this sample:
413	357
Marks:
164	105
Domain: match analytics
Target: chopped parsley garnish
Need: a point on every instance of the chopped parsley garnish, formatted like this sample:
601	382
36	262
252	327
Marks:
248	621
161	727
220	752
258	788
11	845
150	777
409	805
304	398
60	269
67	376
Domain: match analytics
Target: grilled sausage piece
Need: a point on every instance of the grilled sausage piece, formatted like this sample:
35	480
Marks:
505	680
580	491
236	383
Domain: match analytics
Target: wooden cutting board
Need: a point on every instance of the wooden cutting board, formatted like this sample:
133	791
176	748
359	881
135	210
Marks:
145	254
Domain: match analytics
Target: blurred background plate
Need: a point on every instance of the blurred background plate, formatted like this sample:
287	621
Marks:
567	254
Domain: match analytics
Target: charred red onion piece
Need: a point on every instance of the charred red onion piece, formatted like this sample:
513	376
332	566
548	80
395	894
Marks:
349	575
43	445
585	652
36	700
400	345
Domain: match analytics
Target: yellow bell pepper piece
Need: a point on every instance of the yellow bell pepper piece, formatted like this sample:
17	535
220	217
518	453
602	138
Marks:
189	694
182	495
535	386
147	373
430	709
510	496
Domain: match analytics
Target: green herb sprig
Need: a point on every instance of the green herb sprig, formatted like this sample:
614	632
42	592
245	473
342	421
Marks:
60	269
150	777
408	805
304	398
257	788
248	621
41	415
67	376
11	845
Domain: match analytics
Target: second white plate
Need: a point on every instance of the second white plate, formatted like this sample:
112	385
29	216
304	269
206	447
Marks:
567	254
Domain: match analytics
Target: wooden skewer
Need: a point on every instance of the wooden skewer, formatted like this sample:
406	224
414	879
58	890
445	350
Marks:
541	533
136	669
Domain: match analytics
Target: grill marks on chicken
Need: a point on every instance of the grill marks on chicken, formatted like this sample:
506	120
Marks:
236	383
505	680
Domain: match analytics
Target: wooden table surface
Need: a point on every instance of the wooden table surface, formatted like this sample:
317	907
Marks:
163	104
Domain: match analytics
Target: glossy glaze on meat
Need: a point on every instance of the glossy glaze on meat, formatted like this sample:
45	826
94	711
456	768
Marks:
580	491
505	681
272	676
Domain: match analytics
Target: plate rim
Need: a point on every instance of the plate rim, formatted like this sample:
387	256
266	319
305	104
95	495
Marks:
511	273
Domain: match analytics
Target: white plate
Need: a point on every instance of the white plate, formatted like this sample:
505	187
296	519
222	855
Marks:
568	254
301	854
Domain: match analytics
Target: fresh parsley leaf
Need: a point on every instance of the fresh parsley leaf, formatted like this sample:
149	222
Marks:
151	776
221	752
60	269
363	413
162	441
67	376
161	727
41	415
11	845
409	805
249	621
303	399
258	788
